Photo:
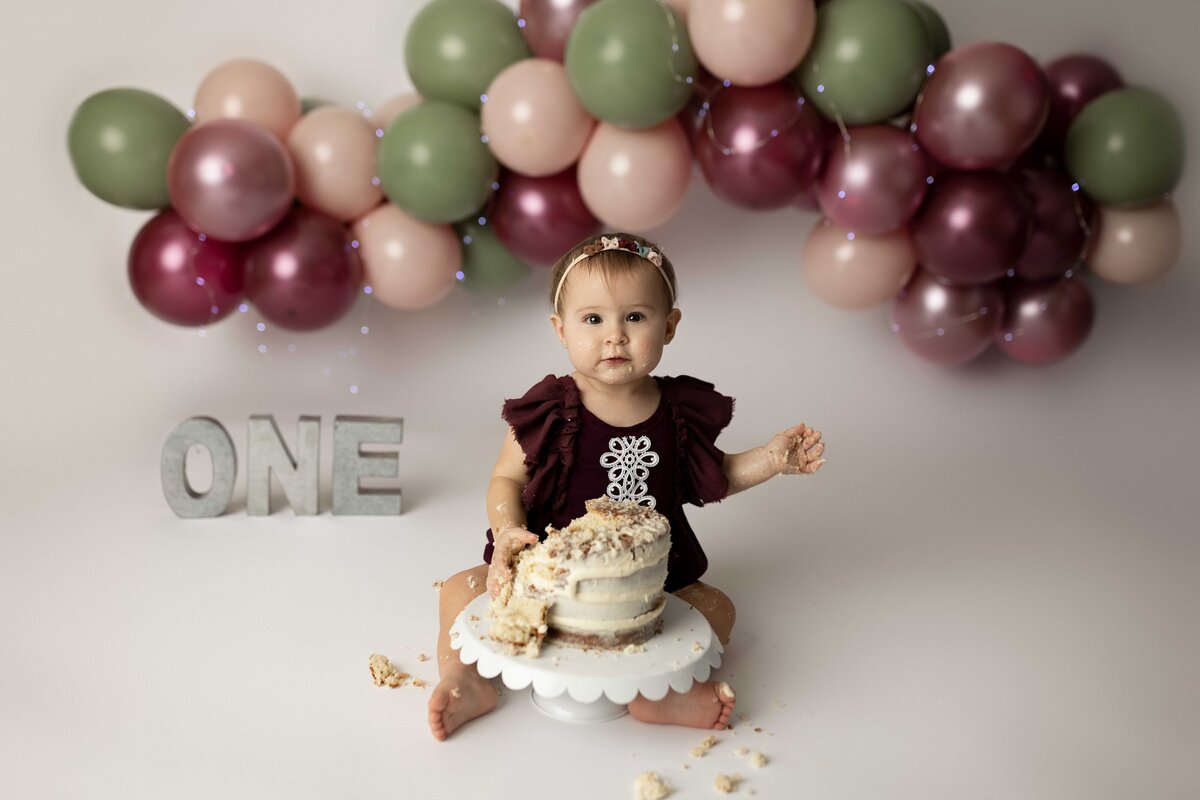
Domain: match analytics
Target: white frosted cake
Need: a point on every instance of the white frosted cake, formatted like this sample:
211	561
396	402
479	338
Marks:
600	579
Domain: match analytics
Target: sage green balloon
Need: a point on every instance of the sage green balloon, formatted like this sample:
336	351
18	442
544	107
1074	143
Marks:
434	164
867	61
630	62
935	26
487	267
1126	147
455	48
119	141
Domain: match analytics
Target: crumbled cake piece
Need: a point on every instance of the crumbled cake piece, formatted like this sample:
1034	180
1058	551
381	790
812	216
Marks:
422	657
438	585
520	624
455	692
697	647
727	784
420	684
384	673
700	750
741	751
474	584
758	759
649	786
473	618
630	649
757	729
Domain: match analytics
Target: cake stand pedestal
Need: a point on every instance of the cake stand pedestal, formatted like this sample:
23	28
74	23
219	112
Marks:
577	685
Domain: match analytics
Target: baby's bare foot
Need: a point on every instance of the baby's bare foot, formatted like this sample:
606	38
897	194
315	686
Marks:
705	705
457	699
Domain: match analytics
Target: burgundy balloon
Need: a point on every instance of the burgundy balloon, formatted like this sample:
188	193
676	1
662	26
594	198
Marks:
944	322
304	274
972	228
230	179
548	24
874	181
1075	81
1061	221
539	219
1044	321
181	276
985	103
761	146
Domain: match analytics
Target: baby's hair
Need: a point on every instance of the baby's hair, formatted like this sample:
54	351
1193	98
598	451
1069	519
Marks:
613	262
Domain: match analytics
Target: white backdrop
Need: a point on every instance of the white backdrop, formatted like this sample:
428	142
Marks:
990	591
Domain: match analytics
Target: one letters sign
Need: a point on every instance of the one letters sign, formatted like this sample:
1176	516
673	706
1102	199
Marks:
296	474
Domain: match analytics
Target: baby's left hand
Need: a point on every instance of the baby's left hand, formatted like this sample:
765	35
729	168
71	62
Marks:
796	451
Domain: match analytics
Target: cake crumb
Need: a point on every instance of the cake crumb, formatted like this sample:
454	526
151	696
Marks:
687	766
384	673
420	684
697	647
630	649
473	618
758	759
422	657
741	751
700	750
727	784
758	730
649	786
438	585
455	692
474	584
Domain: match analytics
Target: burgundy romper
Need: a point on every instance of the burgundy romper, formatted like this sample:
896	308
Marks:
571	455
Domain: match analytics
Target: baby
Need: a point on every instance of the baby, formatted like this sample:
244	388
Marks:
611	428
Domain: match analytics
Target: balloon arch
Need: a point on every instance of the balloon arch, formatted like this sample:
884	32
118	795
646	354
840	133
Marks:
968	186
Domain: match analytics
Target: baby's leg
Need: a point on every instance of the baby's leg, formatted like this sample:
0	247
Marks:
708	704
461	694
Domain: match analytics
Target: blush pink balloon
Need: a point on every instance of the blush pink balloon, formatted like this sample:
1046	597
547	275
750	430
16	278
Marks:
532	121
854	271
760	147
635	180
984	105
946	323
249	90
333	150
1062	219
548	24
1075	81
972	228
304	274
1044	321
181	276
750	44
410	264
383	114
874	180
230	179
539	219
1136	245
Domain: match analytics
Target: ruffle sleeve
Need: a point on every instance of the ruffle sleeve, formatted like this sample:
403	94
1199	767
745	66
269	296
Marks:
700	414
545	421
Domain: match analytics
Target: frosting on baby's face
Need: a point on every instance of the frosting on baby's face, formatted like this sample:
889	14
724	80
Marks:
615	326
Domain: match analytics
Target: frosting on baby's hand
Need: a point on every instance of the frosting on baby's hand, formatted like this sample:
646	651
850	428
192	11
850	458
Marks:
796	451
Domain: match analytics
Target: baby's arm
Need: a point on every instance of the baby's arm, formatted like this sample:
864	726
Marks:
506	512
796	451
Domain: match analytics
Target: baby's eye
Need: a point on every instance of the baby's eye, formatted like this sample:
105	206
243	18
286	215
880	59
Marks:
635	316
591	319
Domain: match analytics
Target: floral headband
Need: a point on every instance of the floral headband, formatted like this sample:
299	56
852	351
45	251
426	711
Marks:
614	243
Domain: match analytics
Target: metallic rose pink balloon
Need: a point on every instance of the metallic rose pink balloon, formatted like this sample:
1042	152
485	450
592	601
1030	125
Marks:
1044	321
1061	221
972	228
548	24
230	179
760	147
539	219
986	103
181	276
943	322
304	274
873	182
1075	81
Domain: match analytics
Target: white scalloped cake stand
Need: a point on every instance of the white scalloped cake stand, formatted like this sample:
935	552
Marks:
575	685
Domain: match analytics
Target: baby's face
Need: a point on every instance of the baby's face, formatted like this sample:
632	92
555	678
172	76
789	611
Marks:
615	330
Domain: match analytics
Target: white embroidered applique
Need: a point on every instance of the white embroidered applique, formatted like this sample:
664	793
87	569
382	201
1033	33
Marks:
628	461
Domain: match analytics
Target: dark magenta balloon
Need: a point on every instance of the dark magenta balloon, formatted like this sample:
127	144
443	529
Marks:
944	322
181	276
1062	219
304	274
230	179
760	146
972	228
1044	321
985	103
548	24
539	219
873	181
1075	81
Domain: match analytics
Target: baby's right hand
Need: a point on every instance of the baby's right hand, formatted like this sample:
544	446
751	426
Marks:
506	545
